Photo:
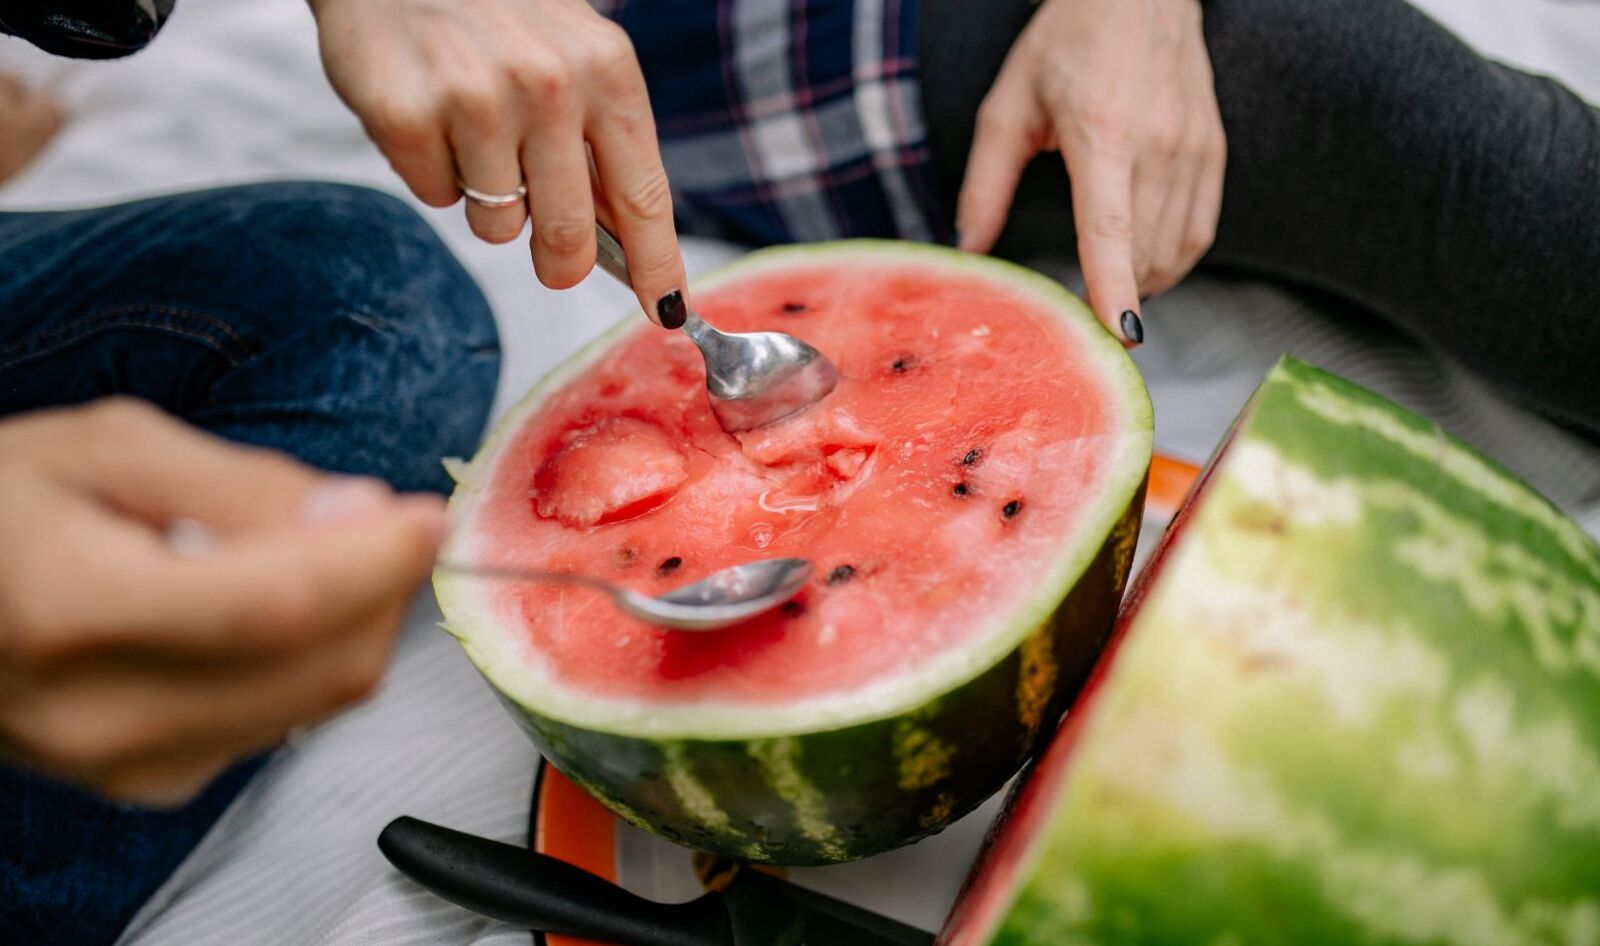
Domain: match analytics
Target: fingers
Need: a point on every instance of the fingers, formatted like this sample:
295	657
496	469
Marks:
256	593
638	201
411	137
484	139
147	465
1102	208
561	202
1001	148
155	732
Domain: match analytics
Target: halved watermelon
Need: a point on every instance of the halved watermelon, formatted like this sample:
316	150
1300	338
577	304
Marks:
970	495
1354	699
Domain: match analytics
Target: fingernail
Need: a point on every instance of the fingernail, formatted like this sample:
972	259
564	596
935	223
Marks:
671	310
1132	328
342	497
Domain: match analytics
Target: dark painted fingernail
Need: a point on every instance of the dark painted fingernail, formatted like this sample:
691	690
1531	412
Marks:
671	310
1132	328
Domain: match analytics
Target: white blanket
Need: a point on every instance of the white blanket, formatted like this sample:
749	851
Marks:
232	91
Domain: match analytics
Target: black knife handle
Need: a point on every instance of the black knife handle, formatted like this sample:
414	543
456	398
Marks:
539	892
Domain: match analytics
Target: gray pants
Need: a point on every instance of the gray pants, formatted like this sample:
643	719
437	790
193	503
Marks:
1371	154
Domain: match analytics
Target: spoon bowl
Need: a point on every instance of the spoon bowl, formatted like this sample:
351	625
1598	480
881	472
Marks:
725	597
752	378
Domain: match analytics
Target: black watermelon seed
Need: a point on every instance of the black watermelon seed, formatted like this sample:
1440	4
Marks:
971	457
669	566
841	574
790	308
902	364
961	489
625	556
1012	508
793	608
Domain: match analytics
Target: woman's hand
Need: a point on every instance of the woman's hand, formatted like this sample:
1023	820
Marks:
140	671
490	93
1123	89
28	120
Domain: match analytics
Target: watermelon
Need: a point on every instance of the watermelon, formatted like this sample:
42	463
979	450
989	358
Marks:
1352	700
970	495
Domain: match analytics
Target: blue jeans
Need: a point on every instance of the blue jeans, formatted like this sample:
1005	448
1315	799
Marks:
322	320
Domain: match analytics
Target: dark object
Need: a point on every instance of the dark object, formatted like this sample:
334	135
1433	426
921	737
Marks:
539	892
671	310
841	574
1132	328
1012	508
971	457
668	566
960	489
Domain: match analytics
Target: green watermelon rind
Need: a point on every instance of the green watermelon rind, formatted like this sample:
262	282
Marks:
1403	745
497	658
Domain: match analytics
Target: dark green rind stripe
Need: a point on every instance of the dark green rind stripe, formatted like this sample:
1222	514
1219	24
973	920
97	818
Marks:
845	794
1355	708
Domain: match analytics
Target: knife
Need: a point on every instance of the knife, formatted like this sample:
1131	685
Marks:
536	891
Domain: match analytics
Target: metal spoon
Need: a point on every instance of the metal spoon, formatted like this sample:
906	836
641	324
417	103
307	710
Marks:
722	598
752	378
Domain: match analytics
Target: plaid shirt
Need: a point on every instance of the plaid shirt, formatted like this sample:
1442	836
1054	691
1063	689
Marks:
788	120
780	120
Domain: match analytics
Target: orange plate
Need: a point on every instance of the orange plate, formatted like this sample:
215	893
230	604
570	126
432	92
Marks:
570	825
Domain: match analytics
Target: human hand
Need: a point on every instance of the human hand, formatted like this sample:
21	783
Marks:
28	120
142	672
494	92
1123	89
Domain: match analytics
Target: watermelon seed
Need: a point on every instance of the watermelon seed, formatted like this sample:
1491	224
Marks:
841	574
668	566
971	457
793	608
625	557
961	489
1012	508
791	308
903	364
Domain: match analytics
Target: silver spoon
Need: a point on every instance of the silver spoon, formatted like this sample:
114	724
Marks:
722	598
752	378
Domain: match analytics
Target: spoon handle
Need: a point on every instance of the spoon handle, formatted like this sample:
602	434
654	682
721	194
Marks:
609	256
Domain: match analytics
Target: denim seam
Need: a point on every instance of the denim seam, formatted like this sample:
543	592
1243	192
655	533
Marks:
211	333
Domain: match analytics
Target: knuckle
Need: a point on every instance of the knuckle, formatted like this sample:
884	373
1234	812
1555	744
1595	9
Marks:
121	418
478	104
546	83
1110	225
993	116
563	236
401	127
648	198
286	604
360	676
610	55
1199	239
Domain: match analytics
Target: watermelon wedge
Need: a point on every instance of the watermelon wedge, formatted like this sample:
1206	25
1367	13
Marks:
1353	700
970	495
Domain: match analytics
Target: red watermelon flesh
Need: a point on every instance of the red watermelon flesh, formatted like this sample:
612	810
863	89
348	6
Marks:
958	449
970	495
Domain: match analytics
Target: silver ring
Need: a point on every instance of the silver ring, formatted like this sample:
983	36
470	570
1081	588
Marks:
495	201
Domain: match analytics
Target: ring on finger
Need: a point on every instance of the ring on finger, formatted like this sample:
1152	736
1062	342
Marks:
495	201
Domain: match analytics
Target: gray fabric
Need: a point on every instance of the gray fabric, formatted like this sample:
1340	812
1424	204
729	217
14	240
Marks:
1374	156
